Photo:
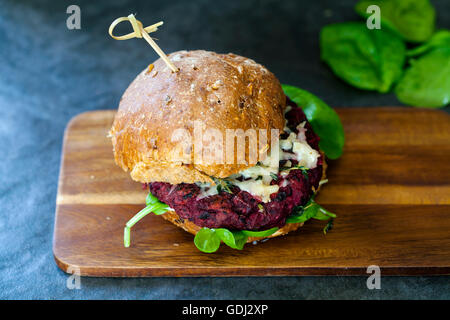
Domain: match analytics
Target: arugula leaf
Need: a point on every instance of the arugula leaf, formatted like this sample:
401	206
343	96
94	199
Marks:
323	119
264	233
426	83
413	20
366	59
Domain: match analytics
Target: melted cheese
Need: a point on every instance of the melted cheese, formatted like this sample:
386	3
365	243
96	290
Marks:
206	190
257	188
257	180
305	155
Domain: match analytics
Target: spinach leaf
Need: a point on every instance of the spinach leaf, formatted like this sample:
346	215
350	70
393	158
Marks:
413	20
152	205
206	240
427	82
323	119
441	39
233	239
312	210
324	214
366	59
264	233
151	199
304	213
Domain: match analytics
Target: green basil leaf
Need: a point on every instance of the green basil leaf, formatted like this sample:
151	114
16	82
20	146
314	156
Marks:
206	240
441	39
323	119
366	59
426	82
264	233
413	20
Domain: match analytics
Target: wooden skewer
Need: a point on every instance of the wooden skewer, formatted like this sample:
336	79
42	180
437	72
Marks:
140	32
159	51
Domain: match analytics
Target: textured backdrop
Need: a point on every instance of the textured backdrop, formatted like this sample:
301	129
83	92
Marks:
48	74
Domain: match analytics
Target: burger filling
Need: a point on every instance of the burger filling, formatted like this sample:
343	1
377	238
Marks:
260	197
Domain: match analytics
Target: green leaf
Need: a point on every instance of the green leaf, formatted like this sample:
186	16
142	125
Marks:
222	184
161	210
312	210
264	233
304	213
207	240
323	119
413	20
138	216
274	176
426	82
240	239
151	199
441	39
324	214
152	205
235	240
366	59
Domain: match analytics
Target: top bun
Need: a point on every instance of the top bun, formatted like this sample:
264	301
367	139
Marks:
223	91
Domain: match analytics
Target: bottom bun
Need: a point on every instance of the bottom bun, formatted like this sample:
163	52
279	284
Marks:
193	228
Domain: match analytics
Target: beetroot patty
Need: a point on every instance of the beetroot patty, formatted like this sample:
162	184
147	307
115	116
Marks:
240	210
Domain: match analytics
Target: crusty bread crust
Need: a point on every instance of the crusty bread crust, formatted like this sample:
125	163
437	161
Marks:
191	227
223	91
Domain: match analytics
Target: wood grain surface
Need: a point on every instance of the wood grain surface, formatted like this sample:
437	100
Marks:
390	190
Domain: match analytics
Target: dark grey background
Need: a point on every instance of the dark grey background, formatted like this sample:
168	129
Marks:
48	74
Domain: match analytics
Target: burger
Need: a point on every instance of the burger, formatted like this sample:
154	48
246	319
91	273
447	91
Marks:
221	149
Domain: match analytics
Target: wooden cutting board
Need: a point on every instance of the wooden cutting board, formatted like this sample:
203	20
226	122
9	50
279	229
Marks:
390	190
